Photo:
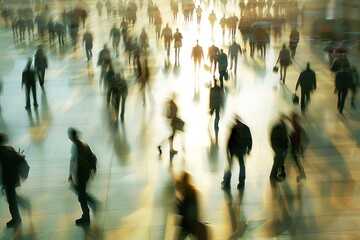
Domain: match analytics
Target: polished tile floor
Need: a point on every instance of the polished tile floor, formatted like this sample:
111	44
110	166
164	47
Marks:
135	186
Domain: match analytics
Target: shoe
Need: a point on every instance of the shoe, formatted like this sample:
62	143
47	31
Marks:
82	220
160	151
13	222
240	185
225	185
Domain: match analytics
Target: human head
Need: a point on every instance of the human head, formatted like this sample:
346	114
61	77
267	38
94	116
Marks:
29	62
3	138
72	134
307	65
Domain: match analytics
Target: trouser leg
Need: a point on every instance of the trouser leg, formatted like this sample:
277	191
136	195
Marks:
82	198
12	201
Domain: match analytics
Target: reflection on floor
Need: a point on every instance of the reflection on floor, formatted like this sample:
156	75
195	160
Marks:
135	186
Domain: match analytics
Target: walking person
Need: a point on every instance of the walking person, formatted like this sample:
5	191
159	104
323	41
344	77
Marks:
212	19
188	209
239	145
294	40
176	123
41	64
104	61
82	167
213	52
298	140
285	60
222	60
167	35
88	41
197	54
10	162
29	80
198	15
177	45
279	139
115	34
234	49
99	7
307	82
216	103
343	81
354	85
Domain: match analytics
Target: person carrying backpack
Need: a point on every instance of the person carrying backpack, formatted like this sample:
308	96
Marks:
82	166
10	162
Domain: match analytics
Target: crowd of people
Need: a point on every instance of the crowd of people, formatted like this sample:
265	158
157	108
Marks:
256	20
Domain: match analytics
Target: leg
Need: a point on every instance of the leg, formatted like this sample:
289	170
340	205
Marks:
227	174
303	102
27	96
33	89
81	189
13	205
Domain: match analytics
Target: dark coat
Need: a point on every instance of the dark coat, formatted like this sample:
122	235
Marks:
307	81
240	139
28	77
279	136
9	174
343	80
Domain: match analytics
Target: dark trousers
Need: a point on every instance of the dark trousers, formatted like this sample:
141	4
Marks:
12	201
32	88
227	175
41	75
83	197
234	58
213	62
88	50
342	93
278	168
61	39
305	99
221	77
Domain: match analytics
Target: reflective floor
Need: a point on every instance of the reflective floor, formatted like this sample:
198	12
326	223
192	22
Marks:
135	187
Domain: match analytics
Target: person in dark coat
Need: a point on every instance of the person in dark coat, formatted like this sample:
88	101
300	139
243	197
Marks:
9	179
80	172
239	144
279	139
29	80
216	102
285	60
41	64
343	81
88	41
307	82
188	209
234	49
223	64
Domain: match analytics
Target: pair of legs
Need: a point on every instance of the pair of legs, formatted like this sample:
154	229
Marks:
342	93
283	69
305	99
13	206
88	51
177	55
234	58
278	168
41	75
31	88
227	174
222	74
295	153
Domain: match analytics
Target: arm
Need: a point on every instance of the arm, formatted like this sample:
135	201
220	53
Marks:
314	87
297	83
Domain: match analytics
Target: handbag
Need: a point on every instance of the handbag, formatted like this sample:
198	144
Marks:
295	99
275	69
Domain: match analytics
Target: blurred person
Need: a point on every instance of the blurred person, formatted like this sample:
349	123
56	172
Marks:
82	167
10	163
197	54
29	80
104	61
99	7
88	41
41	64
177	45
158	23
239	144
294	40
354	85
307	82
115	35
74	31
343	81
176	124
285	60
299	141
167	35
213	52
188	208
234	49
279	139
108	8
212	19
51	30
60	32
198	15
216	103
223	64
223	22
144	41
